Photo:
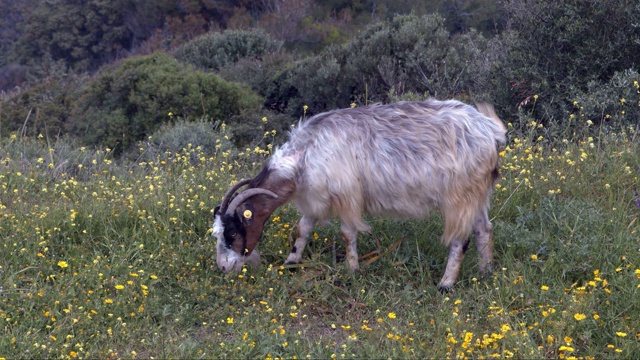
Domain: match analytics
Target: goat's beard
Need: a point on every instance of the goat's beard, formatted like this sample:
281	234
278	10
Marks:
230	261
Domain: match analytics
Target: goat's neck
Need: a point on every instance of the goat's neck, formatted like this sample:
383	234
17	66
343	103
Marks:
284	188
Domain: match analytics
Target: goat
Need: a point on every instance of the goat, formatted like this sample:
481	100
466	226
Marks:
400	160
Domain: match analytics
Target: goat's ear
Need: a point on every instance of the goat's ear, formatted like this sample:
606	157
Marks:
216	211
246	214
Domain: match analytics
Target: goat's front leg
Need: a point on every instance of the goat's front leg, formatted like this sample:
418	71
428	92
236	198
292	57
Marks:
350	235
457	250
305	226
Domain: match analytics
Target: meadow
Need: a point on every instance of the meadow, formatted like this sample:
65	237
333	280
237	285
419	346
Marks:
109	258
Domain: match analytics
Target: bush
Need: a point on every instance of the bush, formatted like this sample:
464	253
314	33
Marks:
415	54
40	109
253	128
268	76
126	102
257	130
317	83
555	49
84	34
215	50
409	54
11	76
613	103
183	136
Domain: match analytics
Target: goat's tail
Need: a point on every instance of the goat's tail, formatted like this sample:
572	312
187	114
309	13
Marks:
488	111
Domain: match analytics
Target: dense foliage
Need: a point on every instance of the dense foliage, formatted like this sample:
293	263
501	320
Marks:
124	103
408	54
41	109
83	33
87	34
215	50
558	50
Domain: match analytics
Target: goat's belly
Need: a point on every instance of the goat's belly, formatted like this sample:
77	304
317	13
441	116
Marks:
415	208
316	205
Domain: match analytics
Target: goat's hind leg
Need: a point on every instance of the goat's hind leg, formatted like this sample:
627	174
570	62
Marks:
305	226
484	241
482	232
458	222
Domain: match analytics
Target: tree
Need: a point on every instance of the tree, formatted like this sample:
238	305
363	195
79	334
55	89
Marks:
11	20
83	33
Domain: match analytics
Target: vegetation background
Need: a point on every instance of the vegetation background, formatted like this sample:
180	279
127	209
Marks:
123	122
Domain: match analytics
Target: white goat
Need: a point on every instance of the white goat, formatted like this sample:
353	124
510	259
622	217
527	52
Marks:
400	160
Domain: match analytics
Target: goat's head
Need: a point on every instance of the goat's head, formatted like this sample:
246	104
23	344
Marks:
238	227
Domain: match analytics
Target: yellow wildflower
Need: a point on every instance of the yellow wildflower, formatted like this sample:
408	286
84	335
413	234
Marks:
579	316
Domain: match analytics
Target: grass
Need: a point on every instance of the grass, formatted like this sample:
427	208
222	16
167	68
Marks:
114	259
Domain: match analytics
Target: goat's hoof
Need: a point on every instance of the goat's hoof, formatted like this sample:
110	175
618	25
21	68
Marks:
445	287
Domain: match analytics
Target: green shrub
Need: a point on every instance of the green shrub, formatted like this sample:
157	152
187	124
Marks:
408	54
82	33
555	49
183	134
413	54
124	103
264	127
40	109
268	76
246	130
203	136
317	83
215	50
613	103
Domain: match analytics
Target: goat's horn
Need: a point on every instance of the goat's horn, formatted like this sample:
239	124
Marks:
231	191
245	195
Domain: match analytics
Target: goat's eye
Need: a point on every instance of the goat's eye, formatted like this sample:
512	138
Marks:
233	233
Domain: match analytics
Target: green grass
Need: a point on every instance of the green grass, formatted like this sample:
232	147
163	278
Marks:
114	259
